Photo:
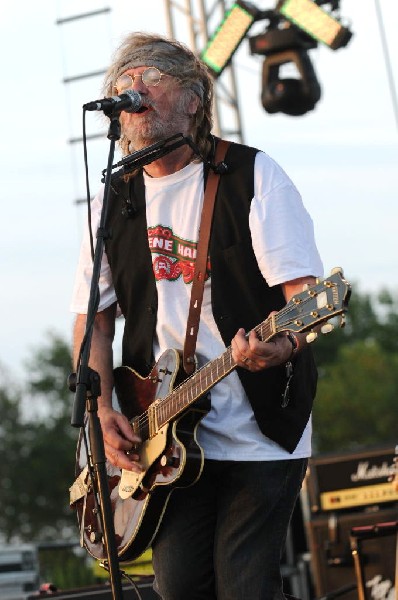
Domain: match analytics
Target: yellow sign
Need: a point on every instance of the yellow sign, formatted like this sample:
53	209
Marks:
369	494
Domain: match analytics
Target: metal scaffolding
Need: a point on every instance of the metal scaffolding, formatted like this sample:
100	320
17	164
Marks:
193	22
83	72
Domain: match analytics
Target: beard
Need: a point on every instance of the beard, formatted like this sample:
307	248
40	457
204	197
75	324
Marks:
148	131
151	127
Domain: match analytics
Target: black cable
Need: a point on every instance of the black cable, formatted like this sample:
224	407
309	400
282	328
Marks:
88	195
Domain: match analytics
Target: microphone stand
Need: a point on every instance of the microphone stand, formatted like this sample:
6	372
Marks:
86	382
88	389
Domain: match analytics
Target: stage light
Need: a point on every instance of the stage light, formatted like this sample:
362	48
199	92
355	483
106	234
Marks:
295	26
229	34
315	21
291	96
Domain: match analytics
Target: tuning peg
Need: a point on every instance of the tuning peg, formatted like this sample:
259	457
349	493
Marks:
342	321
336	270
311	337
306	287
327	328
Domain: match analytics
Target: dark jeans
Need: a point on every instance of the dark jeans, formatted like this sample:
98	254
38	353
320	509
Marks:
223	537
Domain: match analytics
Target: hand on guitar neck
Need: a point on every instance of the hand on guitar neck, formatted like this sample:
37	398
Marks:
249	351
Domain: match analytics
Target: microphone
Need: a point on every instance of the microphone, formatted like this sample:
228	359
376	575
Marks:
130	101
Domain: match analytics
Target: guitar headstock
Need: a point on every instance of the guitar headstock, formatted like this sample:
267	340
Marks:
316	304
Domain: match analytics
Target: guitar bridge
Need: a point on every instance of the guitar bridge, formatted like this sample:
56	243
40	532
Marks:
152	418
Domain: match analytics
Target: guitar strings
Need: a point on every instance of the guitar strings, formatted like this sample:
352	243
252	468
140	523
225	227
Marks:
198	380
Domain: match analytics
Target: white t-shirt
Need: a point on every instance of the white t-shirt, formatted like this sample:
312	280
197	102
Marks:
284	245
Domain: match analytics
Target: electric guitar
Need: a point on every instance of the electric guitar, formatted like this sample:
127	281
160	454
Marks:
165	411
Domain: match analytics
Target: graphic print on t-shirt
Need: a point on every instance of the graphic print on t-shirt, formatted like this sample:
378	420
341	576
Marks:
172	256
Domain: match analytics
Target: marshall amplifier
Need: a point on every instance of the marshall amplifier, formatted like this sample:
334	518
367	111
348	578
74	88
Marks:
351	481
333	568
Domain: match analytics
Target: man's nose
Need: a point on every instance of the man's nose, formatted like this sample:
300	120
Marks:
139	86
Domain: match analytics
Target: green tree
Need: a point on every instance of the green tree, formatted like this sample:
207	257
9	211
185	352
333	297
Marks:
12	440
370	317
356	400
37	454
37	448
358	377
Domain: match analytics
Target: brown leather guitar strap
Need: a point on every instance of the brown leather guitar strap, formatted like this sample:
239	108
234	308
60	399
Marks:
201	261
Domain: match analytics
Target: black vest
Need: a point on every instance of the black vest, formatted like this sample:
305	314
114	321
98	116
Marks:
240	295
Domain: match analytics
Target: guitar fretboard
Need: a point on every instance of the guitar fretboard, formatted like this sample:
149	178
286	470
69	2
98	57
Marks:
202	380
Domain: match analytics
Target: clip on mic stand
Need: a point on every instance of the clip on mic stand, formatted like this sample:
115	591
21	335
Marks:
149	154
87	384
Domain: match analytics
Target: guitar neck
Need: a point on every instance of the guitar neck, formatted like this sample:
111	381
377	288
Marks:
193	388
203	380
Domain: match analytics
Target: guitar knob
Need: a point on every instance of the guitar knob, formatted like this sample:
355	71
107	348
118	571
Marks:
327	328
169	461
311	337
95	537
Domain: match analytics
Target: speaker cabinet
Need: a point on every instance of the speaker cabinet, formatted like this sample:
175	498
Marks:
381	585
332	563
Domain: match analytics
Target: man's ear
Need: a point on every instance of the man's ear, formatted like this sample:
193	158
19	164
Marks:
193	104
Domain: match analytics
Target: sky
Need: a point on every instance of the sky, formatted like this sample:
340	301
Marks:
342	155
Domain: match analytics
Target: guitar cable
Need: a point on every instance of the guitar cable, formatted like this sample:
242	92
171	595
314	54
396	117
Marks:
104	565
